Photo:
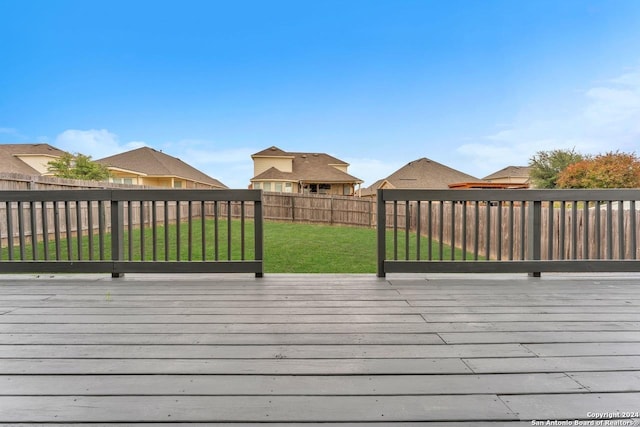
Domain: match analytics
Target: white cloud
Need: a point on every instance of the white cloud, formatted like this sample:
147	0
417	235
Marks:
607	118
97	143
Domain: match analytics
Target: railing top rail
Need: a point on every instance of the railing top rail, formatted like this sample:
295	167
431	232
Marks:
507	195
130	194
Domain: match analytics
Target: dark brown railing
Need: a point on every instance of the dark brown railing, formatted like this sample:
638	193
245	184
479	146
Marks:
120	231
508	231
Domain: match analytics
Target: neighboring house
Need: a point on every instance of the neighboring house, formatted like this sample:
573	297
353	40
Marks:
309	173
146	166
517	175
28	159
420	174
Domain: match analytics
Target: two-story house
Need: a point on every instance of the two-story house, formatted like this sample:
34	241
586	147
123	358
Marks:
308	173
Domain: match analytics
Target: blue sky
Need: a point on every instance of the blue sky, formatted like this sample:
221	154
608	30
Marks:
476	85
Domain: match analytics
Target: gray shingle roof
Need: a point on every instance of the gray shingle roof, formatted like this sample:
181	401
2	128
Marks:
422	173
9	162
307	167
152	162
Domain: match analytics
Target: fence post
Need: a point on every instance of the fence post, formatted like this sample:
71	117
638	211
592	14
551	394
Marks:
382	238
117	234
534	224
259	234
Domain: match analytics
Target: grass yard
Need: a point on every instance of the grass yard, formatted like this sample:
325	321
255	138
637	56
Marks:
288	247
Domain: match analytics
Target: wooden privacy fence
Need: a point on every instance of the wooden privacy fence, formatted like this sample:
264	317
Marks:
508	230
122	231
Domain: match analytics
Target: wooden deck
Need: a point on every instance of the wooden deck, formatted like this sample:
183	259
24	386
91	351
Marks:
318	350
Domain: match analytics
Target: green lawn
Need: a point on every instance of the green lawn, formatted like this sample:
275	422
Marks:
288	247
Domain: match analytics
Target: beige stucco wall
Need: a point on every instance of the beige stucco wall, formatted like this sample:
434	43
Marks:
38	162
261	164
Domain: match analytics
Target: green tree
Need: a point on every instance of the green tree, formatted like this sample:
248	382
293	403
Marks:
78	166
609	170
547	165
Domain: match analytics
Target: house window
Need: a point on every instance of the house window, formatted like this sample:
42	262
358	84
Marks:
279	187
257	185
313	188
324	188
177	184
122	180
346	190
287	187
267	186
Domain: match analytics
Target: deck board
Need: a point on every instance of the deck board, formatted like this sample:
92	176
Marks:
311	350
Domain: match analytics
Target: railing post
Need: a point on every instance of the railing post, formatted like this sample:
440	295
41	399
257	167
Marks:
382	238
534	224
117	234
259	234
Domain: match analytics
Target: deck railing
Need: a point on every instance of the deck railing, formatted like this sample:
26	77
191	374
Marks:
508	231
121	231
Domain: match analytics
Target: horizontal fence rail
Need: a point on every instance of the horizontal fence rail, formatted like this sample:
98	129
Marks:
120	231
508	231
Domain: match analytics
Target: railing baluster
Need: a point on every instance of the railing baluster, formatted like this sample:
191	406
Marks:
178	221
166	230
79	228
487	243
90	228
216	232
242	257
464	230
562	231
142	229
441	230
9	208
45	231
550	231
633	231
130	229
154	230
609	231
476	230
56	228
522	230
407	227
395	230
585	230
418	230
34	230
499	234
511	230
596	237
21	230
67	219
453	231
101	230
203	234
574	230
190	231
229	230
621	240
430	231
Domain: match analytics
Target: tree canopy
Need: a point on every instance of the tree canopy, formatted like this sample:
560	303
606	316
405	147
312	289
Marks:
609	170
547	165
78	166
